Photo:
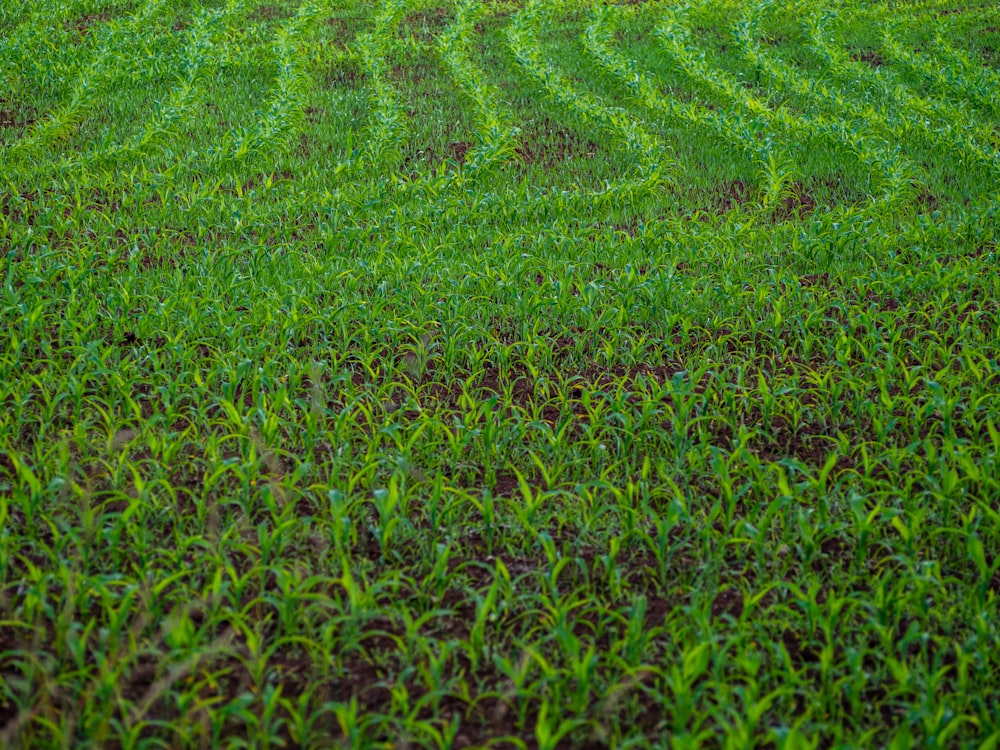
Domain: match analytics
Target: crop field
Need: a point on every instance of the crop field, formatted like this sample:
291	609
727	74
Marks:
563	374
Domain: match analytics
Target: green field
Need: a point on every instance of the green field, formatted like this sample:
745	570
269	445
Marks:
564	374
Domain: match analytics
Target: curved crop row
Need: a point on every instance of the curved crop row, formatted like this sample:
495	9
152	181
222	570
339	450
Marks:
122	53
171	114
286	102
775	167
496	134
388	119
949	70
35	31
649	151
943	125
847	132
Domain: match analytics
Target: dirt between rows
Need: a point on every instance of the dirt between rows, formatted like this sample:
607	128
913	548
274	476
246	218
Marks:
269	13
870	56
548	143
424	25
14	117
83	24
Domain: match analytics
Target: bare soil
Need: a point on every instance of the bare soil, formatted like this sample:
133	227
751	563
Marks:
547	143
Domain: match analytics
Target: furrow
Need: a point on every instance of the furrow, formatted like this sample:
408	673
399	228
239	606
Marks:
285	104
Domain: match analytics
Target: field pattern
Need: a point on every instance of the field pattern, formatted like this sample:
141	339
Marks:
460	372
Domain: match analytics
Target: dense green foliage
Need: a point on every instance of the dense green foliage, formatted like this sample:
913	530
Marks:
410	373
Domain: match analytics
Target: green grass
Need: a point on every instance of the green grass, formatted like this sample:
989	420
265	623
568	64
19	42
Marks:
538	375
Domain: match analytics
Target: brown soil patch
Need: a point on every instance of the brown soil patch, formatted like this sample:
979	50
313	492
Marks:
457	151
799	201
731	194
6	468
547	143
956	11
728	195
777	438
83	24
342	30
12	118
339	25
505	484
927	200
728	602
417	162
982	251
343	74
869	56
268	13
424	25
12	208
712	34
304	148
815	280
